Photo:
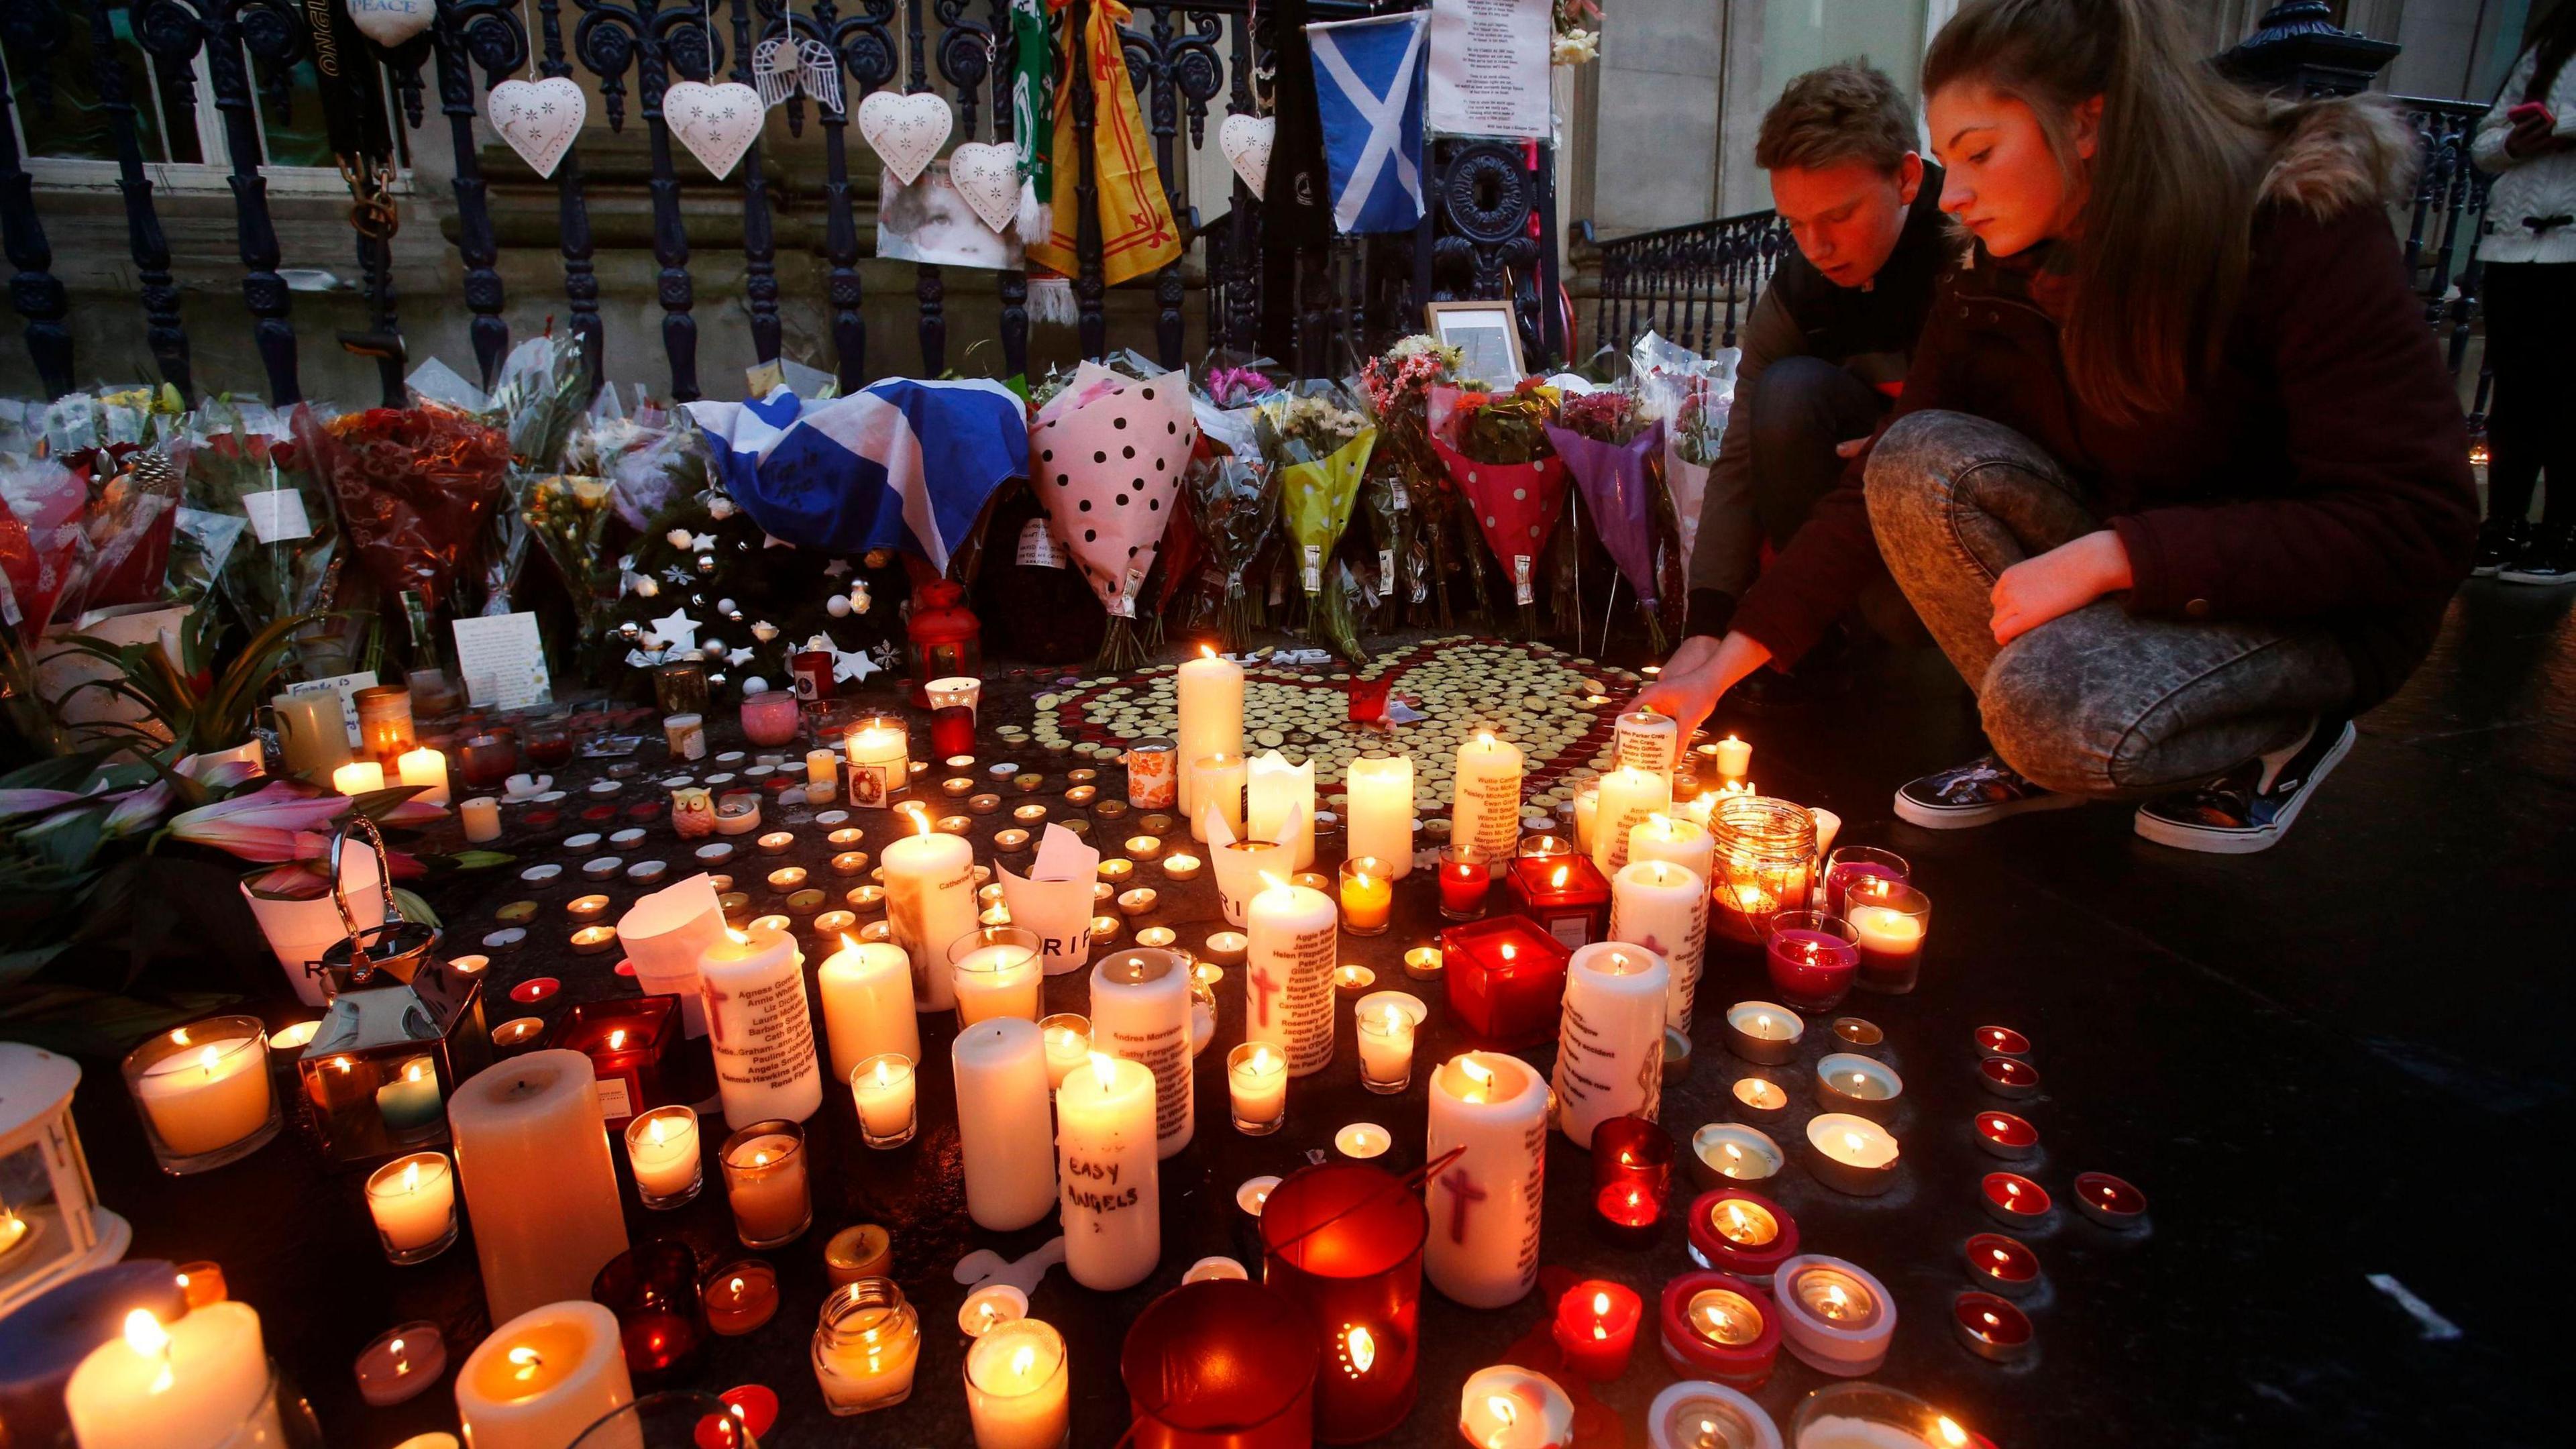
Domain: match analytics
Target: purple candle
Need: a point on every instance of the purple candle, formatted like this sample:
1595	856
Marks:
1812	958
1854	862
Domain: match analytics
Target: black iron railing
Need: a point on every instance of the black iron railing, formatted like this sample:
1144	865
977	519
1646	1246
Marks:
1693	283
2445	214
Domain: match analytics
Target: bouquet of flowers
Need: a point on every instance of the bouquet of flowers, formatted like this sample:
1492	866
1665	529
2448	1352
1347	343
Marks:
1397	388
1692	395
282	556
1320	443
1495	449
1106	458
1233	500
414	487
1611	449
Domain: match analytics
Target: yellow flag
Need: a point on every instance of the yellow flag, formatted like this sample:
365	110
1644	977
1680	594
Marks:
1137	232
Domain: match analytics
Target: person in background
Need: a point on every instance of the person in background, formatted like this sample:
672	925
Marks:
2528	246
2178	482
1826	346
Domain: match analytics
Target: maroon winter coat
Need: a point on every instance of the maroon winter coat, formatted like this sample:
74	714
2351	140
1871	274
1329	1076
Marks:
2319	475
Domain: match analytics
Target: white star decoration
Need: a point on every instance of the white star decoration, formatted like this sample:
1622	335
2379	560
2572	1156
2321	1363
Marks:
771	540
678	631
703	543
738	657
836	568
852	665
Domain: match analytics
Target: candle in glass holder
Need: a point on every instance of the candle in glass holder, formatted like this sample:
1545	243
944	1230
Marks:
1811	958
765	1182
203	1091
1833	1315
1596	1327
1853	863
1386	1049
883	1088
1257	1084
866	1345
740	1296
662	1147
879	753
1016	1387
1632	1169
1889	919
1466	875
1368	895
1565	894
995	971
413	1200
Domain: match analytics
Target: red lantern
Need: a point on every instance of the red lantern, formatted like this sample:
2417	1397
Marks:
1344	1241
1506	979
1220	1364
942	638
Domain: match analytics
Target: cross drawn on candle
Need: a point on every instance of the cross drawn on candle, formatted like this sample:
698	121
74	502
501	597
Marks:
1463	1194
1264	986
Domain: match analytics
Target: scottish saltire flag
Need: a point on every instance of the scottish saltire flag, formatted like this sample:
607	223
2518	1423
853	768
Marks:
902	464
1365	84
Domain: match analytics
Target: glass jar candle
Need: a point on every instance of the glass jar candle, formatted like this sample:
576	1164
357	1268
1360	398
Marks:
770	717
996	971
1851	863
413	1202
1368	896
952	713
652	1287
203	1092
1465	878
1344	1241
1765	861
1889	921
680	689
1811	958
866	1344
765	1181
384	722
486	761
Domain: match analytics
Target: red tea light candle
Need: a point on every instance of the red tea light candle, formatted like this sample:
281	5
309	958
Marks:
1889	919
1567	895
1742	1233
753	1406
1851	1154
1596	1326
1764	1033
2000	1264
1759	1101
1368	896
740	1297
1632	1170
1721	1328
1728	1154
1811	958
2001	1041
1846	1082
1353	978
1504	1407
1465	878
2006	1136
2014	1200
1181	865
2010	1078
402	1362
1833	1315
2113	1202
1991	1328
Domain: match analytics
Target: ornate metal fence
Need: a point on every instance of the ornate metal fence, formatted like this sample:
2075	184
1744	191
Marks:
1183	56
1691	283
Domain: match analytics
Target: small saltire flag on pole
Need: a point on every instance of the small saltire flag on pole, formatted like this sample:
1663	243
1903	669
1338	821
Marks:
903	464
1372	112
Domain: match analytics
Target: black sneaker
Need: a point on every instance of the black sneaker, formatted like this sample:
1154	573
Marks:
2500	542
1982	790
2252	806
2550	558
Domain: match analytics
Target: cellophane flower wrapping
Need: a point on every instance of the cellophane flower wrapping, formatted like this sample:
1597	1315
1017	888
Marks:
1612	452
285	547
1320	441
1106	458
1495	449
1234	501
44	551
414	486
1692	395
1396	387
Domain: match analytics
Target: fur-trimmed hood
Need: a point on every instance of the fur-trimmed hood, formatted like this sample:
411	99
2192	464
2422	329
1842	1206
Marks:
2346	151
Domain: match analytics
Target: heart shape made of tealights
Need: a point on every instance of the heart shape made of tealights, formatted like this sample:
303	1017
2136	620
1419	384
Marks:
539	118
717	123
905	131
987	177
1539	698
1246	142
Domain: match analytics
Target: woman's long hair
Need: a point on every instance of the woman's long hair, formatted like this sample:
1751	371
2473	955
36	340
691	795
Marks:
2161	243
2552	41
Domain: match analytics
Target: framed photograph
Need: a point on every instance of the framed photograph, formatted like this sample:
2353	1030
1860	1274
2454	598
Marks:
1486	332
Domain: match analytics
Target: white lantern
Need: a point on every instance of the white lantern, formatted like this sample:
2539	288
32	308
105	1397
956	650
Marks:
51	1226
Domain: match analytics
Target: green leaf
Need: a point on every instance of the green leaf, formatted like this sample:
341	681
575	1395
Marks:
414	908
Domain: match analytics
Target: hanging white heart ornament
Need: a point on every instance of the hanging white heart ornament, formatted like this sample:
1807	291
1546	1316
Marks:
538	118
389	23
987	175
717	123
1246	142
906	131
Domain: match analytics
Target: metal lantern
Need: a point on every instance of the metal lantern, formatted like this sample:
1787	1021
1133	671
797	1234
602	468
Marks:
403	1028
51	1226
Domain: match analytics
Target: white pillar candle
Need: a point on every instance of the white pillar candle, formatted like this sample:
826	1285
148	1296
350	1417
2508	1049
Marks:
1380	789
1664	908
413	1200
426	768
1211	703
191	1384
1610	1041
665	933
1140	1012
532	1153
1292	945
662	1147
822	767
880	754
481	817
358	777
867	1004
543	1377
930	902
1240	865
1645	740
208	1094
1214	782
1486	812
1628	798
1111	1198
1000	1067
1279	804
883	1088
1016	1387
759	1027
1734	758
1483	1247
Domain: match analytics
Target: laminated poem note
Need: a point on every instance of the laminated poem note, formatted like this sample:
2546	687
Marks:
503	662
1489	63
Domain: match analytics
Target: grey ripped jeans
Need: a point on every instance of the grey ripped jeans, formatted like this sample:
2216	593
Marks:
2096	702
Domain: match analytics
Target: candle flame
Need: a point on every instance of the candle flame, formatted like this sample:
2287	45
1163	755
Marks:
1851	1141
1859	1077
654	1130
412	1073
411	1177
1023	1361
920	819
1485	739
1951	1433
209	1058
1103	1067
1273	882
1663	824
1480	1078
524	1362
145	1335
885	1075
735	1286
402	1363
737	937
1260	1059
179	1037
1207	651
1601	1303
1362	1348
1837	1302
847	944
1395	1019
616	1041
1504	1410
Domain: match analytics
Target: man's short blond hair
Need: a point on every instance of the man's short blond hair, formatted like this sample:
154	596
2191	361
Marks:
1849	111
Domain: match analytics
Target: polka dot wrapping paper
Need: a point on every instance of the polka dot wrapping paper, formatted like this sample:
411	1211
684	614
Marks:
1107	455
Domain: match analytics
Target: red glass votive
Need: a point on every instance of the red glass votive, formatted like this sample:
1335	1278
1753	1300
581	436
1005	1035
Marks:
1991	1328
1812	958
1566	895
811	669
2111	1201
1742	1233
2002	1041
1465	881
488	760
1222	1363
2006	1136
2014	1200
952	730
629	1040
1719	1327
1596	1327
2009	1077
1343	1240
652	1287
549	746
1856	862
2001	1265
1506	980
1632	1169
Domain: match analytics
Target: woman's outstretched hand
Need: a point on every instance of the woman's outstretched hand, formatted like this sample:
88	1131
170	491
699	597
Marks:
1698	674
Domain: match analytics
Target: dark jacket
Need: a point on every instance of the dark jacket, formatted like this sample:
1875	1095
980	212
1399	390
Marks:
1869	329
2319	474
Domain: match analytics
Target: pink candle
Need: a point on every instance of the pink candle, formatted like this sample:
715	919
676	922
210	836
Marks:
1812	960
769	718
